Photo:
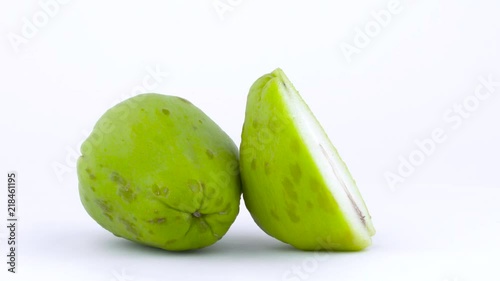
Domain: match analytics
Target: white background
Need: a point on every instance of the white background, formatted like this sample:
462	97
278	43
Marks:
442	223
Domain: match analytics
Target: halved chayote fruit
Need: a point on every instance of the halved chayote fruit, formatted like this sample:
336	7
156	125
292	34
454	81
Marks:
158	171
295	184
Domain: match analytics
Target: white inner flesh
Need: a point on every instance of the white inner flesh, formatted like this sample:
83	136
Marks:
329	163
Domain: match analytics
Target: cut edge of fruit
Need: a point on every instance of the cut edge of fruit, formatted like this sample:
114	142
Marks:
331	167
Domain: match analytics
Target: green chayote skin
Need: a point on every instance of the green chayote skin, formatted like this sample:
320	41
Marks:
158	171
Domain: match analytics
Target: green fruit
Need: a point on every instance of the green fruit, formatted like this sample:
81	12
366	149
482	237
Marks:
295	185
158	171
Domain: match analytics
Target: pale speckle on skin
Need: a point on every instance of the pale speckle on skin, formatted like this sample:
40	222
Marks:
195	186
203	226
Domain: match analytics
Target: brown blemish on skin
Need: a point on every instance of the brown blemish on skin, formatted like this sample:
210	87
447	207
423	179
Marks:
255	124
293	216
219	201
274	215
166	112
117	178
130	227
254	164
309	204
157	220
127	193
289	189
295	145
210	153
156	190
296	172
171	241
267	169
104	206
91	175
209	191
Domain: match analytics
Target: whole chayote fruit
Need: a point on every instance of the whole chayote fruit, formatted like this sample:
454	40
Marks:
158	171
